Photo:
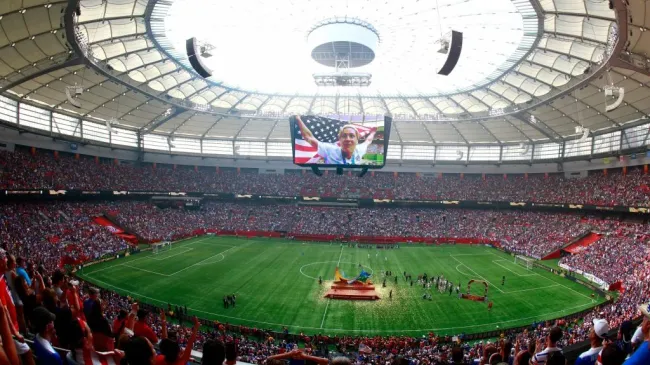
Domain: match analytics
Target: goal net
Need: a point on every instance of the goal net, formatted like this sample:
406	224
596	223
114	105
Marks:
524	261
159	247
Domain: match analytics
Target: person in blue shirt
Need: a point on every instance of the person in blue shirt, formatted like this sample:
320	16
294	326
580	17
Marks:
93	294
596	336
21	263
642	355
43	323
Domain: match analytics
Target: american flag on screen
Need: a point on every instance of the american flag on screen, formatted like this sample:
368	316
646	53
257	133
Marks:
324	130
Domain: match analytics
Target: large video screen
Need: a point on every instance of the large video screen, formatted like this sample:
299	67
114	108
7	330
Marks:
327	142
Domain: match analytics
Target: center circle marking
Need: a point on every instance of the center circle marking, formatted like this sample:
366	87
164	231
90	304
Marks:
336	262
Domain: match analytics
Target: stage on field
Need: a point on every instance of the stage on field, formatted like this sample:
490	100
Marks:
358	288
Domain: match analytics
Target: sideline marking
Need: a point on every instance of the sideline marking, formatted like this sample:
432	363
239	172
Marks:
106	268
525	290
330	299
145	270
342	329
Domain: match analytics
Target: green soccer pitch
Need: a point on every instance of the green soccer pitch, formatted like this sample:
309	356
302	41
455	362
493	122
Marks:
276	284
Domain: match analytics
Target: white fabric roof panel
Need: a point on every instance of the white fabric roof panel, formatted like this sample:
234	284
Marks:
119	33
474	132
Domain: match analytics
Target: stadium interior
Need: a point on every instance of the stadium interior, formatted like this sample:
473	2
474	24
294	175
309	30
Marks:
345	182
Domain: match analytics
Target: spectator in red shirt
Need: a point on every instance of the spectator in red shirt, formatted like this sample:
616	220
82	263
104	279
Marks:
141	328
171	351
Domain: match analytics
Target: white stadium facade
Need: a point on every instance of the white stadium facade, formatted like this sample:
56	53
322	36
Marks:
541	85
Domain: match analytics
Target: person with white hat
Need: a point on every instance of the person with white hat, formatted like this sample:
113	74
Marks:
596	336
642	355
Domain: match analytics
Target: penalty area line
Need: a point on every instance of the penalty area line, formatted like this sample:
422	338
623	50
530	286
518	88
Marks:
198	263
470	269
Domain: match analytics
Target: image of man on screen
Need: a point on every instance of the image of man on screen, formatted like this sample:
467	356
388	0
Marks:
348	151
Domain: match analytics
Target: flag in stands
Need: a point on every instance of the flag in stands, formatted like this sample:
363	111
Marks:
365	349
113	229
325	130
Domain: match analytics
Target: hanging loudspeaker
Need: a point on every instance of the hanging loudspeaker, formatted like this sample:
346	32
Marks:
612	91
71	92
109	126
459	155
523	149
455	47
194	55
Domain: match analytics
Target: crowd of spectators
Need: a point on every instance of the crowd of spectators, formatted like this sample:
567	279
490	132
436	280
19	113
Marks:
41	237
52	233
529	233
24	170
41	234
622	254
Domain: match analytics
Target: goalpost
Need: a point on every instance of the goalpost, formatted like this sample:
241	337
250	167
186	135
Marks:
524	261
159	247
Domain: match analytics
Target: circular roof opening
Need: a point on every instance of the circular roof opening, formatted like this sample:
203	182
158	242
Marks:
260	45
343	43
